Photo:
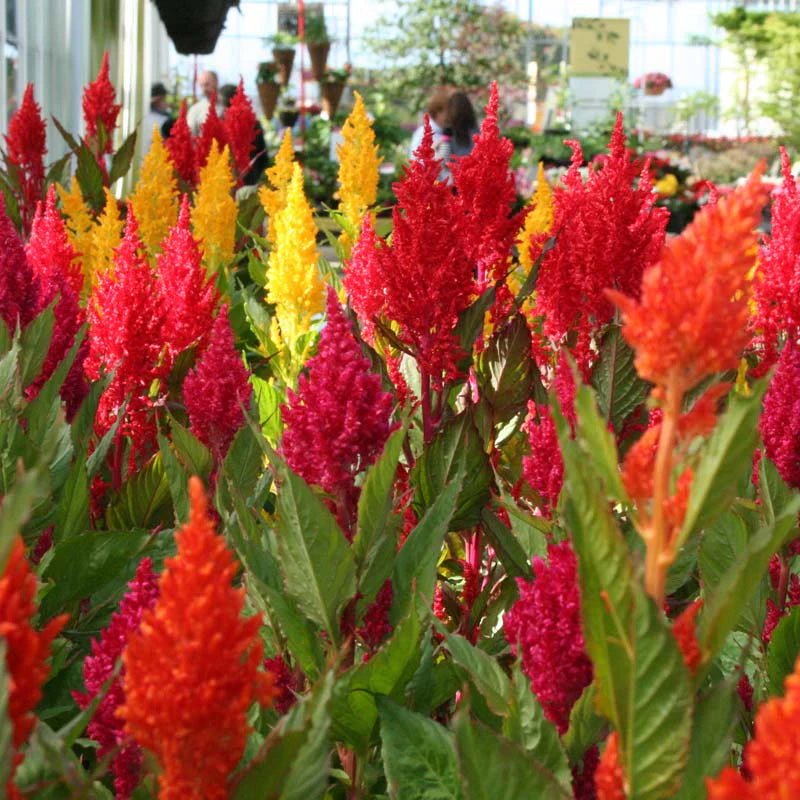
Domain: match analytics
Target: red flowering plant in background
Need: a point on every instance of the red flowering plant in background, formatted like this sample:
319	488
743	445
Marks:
657	81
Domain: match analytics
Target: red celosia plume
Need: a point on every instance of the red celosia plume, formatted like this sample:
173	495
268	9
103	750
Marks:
240	127
99	109
212	130
19	287
180	145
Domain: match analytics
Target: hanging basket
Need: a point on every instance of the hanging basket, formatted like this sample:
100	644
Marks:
268	95
318	53
194	27
654	90
331	95
284	59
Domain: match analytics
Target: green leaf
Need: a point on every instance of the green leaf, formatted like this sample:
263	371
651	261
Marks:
458	446
72	514
527	725
34	344
619	388
724	605
72	143
415	564
418	756
90	178
470	321
82	565
775	494
28	490
59	171
783	650
302	636
98	456
493	767
140	498
354	708
196	457
268	400
6	730
508	549
315	557
242	467
177	479
586	726
121	160
716	714
529	283
83	421
643	685
728	451
485	672
375	542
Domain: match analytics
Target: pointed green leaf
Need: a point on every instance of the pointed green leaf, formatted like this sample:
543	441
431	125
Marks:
177	479
34	344
141	498
586	726
98	456
315	557
784	647
508	549
72	514
242	467
196	457
121	160
418	756
727	453
774	492
268	401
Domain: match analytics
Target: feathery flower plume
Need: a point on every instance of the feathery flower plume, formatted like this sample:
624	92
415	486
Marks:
538	223
608	234
777	284
683	629
212	130
543	469
425	278
544	627
19	288
99	109
583	787
214	212
25	144
274	192
772	756
215	391
337	423
191	670
295	285
692	319
79	224
106	728
181	148
188	294
155	198
486	194
609	777
106	236
780	419
240	125
358	169
126	319
27	650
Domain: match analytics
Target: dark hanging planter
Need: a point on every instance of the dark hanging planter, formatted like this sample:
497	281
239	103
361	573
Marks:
194	25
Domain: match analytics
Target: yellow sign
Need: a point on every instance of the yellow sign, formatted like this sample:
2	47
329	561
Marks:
599	46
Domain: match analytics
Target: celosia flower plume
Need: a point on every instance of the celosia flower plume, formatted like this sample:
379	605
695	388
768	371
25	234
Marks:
105	727
191	670
79	224
772	756
155	198
274	192
609	779
424	279
544	628
181	148
538	223
99	109
486	192
106	235
188	294
19	288
214	212
212	130
25	144
295	285
692	319
336	424
240	125
217	390
358	169
27	650
608	233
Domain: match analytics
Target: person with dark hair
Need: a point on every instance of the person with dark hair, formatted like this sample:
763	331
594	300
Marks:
437	113
258	150
462	124
158	115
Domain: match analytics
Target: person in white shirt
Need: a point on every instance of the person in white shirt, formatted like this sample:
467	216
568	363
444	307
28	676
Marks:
158	116
437	112
197	114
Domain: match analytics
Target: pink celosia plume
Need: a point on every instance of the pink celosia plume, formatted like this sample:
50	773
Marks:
19	287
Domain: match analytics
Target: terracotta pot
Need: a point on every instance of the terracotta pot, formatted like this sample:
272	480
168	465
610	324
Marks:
284	59
318	53
331	95
654	91
268	94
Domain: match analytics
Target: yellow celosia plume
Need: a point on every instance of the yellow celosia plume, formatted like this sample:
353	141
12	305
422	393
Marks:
358	169
538	221
273	193
79	223
295	285
155	198
106	236
214	212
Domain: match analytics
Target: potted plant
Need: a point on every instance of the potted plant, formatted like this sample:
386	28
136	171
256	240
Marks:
283	45
288	112
315	36
194	27
653	83
331	88
268	87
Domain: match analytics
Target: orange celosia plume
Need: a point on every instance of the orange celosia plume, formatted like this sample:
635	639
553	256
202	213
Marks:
609	778
773	756
27	649
192	669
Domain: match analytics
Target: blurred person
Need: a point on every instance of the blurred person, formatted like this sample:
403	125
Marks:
462	124
437	113
159	115
258	149
197	114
